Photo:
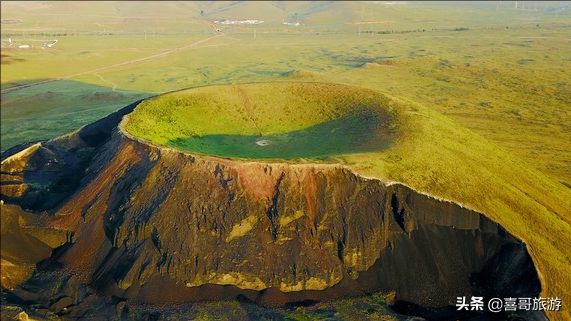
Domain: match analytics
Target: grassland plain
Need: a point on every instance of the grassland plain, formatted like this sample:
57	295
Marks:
479	77
494	70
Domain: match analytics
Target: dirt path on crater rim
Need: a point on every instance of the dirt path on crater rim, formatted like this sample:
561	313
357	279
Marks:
248	108
121	64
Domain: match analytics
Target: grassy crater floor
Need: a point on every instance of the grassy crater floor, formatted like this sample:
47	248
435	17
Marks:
269	120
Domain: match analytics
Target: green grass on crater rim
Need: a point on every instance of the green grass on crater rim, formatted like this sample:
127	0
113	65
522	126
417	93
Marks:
269	120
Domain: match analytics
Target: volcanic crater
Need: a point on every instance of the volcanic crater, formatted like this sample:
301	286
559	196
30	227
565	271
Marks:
237	191
268	120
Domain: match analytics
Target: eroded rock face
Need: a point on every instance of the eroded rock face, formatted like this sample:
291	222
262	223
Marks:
156	225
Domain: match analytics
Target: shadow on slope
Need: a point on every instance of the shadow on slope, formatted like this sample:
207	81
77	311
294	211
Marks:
54	108
49	173
363	132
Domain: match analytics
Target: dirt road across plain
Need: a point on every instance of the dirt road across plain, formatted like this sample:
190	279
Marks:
121	64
